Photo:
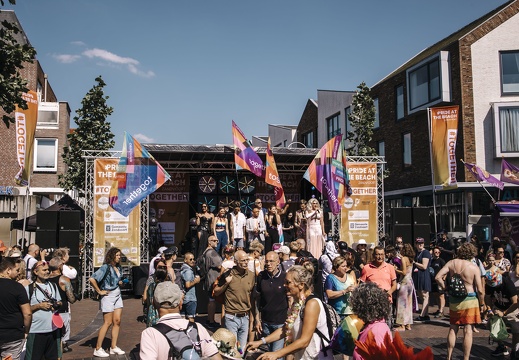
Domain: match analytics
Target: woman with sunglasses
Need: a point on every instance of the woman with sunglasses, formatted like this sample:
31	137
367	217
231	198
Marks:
161	274
204	221
305	317
106	281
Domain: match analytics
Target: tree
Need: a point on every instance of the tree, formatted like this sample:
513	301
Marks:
362	120
12	57
92	133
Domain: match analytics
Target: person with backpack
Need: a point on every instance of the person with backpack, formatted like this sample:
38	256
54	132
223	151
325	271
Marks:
174	337
306	330
464	290
160	274
209	266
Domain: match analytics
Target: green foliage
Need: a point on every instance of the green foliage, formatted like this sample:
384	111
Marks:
92	133
362	120
12	57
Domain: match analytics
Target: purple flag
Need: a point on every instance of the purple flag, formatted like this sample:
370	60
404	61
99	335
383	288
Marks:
483	175
509	172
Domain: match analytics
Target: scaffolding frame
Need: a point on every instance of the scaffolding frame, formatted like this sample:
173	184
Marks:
87	252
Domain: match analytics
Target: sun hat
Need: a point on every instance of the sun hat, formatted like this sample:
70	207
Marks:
225	342
362	242
167	295
173	250
161	249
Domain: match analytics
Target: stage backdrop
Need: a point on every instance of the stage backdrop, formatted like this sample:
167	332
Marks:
111	228
359	213
170	206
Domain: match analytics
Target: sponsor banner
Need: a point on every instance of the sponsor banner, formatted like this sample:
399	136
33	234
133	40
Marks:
25	127
291	185
444	132
111	229
170	206
359	212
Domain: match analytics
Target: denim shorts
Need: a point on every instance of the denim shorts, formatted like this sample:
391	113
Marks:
189	309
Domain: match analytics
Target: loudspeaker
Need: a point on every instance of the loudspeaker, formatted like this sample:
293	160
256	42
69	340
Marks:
73	261
46	239
402	215
139	277
423	231
421	216
70	239
405	231
47	220
69	220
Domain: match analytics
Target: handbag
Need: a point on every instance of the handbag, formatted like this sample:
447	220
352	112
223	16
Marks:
498	330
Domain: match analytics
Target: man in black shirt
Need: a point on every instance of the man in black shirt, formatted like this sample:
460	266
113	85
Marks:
15	311
271	300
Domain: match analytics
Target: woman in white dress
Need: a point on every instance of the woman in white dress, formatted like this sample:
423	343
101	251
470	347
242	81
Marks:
315	234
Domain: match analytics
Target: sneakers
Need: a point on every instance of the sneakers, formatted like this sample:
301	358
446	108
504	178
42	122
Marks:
212	325
436	313
423	318
65	348
500	350
116	351
101	353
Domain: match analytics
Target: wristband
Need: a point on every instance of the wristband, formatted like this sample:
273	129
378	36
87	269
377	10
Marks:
264	341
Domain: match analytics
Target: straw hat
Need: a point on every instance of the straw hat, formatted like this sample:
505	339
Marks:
225	341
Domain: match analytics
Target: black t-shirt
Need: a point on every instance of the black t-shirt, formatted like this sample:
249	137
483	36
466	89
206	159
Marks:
273	303
13	295
437	264
502	294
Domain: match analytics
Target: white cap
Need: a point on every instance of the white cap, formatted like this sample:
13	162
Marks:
162	249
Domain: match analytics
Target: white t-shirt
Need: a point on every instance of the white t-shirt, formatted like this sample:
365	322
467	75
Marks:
238	222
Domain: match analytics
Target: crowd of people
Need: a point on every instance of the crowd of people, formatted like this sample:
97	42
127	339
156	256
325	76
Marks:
278	283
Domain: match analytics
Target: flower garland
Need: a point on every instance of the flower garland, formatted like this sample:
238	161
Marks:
293	313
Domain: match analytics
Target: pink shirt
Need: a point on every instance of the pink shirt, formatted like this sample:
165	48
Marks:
379	328
154	345
383	276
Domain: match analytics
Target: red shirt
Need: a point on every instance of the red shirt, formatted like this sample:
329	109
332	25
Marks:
383	275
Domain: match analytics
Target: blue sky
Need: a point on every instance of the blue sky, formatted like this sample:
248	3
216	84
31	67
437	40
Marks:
178	72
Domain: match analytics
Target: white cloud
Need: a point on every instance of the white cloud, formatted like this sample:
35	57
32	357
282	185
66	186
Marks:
66	58
112	58
78	43
143	138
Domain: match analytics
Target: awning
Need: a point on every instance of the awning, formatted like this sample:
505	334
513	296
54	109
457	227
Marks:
508	208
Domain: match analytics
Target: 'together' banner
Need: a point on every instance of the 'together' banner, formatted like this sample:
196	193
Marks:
25	124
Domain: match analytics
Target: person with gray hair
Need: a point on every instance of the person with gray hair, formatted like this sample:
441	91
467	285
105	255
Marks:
154	344
301	330
371	304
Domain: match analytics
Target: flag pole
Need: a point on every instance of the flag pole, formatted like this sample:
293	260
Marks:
432	171
484	188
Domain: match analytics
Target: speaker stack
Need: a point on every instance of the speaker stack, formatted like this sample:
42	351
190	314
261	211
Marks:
410	223
46	229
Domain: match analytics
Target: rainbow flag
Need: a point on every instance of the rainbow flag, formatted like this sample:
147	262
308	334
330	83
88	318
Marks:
244	156
138	175
328	174
272	177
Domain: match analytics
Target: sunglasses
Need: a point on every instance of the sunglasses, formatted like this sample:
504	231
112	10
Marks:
301	260
39	263
162	267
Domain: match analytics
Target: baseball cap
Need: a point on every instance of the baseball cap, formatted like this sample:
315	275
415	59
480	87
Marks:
276	247
167	295
283	249
162	249
343	245
419	240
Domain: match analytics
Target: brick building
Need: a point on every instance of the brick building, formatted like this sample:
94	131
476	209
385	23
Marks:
477	68
50	137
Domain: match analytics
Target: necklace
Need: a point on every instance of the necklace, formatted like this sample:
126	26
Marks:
293	313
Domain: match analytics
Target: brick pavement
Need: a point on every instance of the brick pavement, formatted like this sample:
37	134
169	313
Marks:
86	321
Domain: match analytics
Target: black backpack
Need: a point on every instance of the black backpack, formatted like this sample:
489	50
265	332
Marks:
200	265
183	343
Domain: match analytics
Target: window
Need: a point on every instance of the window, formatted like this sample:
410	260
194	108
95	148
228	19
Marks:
48	113
381	148
45	155
510	72
506	125
377	118
399	102
424	83
309	140
334	126
407	149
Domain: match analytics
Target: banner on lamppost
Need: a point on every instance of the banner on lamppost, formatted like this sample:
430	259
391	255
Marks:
444	133
25	125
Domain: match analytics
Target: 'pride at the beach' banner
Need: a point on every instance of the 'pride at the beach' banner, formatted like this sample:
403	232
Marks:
444	133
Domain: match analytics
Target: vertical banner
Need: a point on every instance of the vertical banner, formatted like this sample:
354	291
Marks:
169	205
25	126
444	133
272	177
359	218
111	228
